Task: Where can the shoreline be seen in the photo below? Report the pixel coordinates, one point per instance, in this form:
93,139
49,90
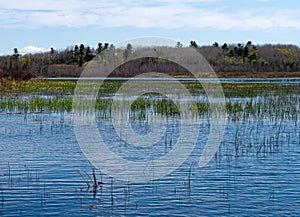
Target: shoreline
205,75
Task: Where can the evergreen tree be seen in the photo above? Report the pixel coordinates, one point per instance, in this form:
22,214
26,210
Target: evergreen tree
193,44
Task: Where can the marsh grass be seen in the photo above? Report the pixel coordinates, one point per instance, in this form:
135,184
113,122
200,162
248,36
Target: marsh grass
35,104
8,85
19,179
44,196
2,198
274,105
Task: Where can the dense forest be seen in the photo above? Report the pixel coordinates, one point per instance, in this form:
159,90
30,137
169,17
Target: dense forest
225,58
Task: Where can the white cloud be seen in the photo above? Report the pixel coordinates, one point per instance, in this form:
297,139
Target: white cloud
134,13
32,49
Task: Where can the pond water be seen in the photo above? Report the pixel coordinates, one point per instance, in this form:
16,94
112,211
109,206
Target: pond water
256,171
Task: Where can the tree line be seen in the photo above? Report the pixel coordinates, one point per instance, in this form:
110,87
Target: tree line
241,57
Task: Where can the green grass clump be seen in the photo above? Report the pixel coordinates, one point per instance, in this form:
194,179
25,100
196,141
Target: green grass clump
35,105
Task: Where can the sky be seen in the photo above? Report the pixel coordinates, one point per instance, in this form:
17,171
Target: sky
36,26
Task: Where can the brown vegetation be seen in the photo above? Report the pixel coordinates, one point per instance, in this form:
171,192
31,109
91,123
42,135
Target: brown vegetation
17,75
228,60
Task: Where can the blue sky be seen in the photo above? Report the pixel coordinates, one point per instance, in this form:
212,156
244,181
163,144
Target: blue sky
33,25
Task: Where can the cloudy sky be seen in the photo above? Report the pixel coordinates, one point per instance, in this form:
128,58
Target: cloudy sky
33,25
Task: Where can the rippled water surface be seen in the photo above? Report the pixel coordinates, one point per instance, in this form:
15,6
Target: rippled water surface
256,171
